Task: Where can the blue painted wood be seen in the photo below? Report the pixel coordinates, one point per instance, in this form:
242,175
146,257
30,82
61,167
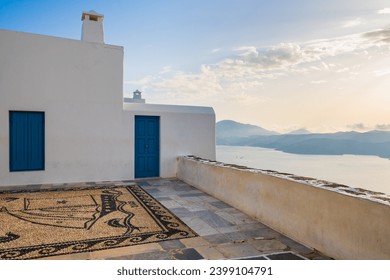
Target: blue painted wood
27,140
147,146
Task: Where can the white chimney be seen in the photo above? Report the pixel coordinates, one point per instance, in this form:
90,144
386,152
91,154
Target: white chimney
92,27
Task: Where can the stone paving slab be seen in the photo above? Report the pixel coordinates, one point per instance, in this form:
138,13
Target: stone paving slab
210,253
237,250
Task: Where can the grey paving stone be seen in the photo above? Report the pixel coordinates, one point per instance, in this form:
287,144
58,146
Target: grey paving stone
170,204
251,233
268,245
230,218
215,239
186,254
265,233
253,258
220,204
171,244
236,236
181,212
247,219
177,182
194,242
238,250
193,194
322,258
161,182
209,199
38,186
284,256
199,226
212,219
103,183
191,199
154,255
209,253
126,181
164,198
152,190
143,183
182,188
252,226
194,206
293,245
228,229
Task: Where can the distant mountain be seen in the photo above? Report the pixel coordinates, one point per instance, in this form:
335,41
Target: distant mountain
300,131
375,143
229,128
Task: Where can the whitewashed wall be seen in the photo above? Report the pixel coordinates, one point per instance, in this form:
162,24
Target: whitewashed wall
88,134
79,87
184,130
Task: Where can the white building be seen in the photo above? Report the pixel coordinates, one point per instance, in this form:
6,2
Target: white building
63,119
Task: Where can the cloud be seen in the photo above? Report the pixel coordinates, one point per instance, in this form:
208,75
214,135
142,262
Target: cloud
280,56
216,50
144,81
318,82
342,70
352,23
287,55
358,126
381,36
166,69
382,72
245,70
382,126
384,11
196,85
363,127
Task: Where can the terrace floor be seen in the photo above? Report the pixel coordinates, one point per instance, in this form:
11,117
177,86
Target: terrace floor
224,232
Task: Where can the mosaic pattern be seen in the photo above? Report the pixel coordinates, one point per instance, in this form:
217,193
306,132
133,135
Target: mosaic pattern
41,223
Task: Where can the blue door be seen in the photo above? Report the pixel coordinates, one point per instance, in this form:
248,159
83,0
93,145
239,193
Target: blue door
27,140
147,146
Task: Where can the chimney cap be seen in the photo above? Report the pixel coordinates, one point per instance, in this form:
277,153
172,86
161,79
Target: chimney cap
92,13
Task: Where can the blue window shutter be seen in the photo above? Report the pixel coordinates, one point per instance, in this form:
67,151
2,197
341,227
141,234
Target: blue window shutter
27,140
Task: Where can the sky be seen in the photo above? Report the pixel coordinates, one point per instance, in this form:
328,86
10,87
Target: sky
281,64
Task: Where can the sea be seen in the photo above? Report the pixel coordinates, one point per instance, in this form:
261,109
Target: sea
366,172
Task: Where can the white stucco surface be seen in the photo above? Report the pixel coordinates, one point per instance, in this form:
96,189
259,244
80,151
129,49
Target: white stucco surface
89,132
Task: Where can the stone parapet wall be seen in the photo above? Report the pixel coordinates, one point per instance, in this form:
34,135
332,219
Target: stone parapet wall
339,221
